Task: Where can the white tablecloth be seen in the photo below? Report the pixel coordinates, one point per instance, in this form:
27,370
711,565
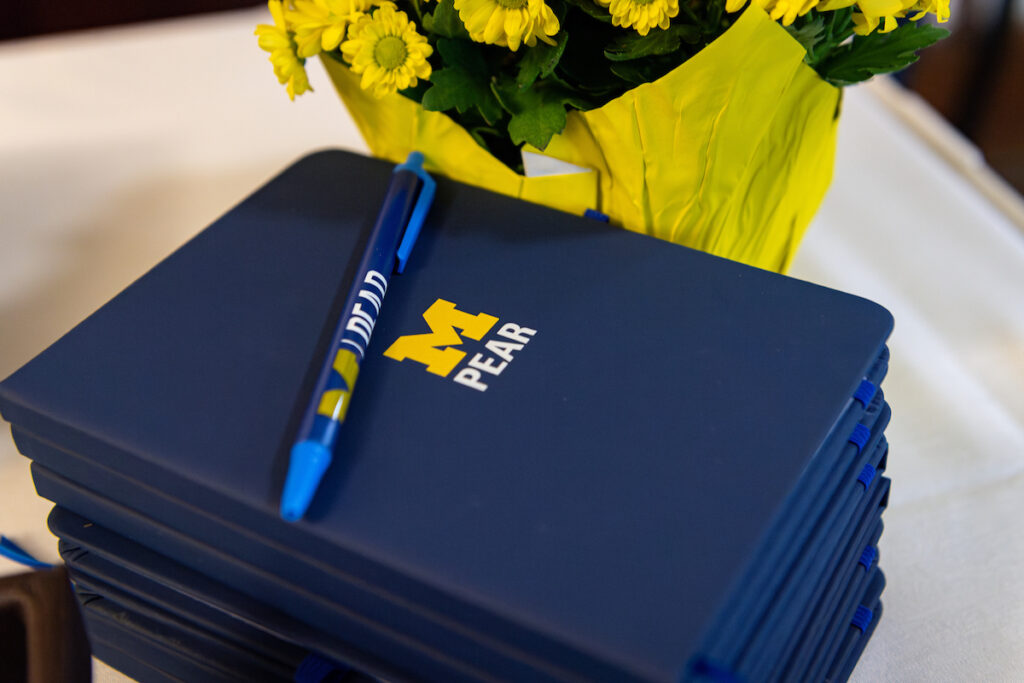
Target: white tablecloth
116,146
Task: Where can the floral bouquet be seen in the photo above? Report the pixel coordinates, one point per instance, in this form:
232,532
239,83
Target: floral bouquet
690,120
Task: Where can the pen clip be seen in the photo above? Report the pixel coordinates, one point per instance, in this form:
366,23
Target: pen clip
419,212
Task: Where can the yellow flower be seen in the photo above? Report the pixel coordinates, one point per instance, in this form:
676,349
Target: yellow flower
508,23
785,10
278,42
642,15
321,24
387,51
886,12
940,8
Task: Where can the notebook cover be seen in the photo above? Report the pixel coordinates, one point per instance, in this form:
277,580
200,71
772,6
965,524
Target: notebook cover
441,632
83,476
248,548
183,547
653,372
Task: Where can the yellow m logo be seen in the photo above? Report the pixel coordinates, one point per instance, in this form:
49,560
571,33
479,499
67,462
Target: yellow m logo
442,318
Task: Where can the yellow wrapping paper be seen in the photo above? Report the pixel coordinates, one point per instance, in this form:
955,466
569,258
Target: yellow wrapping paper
730,153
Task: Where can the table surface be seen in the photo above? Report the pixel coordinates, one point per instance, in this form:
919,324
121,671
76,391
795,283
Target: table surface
116,146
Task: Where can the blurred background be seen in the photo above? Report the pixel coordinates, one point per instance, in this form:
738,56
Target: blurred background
974,78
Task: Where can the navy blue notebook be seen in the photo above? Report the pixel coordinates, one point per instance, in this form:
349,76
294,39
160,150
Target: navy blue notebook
141,499
639,404
232,570
241,550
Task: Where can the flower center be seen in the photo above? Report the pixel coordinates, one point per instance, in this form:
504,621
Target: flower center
390,52
512,4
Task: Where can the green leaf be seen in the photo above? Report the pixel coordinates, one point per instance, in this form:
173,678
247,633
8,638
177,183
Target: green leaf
536,125
643,70
879,53
453,88
540,61
489,108
444,21
463,83
809,34
538,113
464,53
657,42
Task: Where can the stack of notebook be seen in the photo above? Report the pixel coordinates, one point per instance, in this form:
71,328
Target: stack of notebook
574,453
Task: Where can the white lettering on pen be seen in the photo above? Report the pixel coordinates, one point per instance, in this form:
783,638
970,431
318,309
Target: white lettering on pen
362,320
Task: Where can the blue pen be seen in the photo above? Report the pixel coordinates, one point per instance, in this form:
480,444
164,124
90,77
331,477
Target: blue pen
398,225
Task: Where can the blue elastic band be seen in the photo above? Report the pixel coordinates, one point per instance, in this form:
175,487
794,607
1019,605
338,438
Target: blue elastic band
13,551
860,436
866,475
862,618
314,669
865,392
596,215
867,558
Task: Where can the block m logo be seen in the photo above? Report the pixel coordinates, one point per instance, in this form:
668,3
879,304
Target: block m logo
433,348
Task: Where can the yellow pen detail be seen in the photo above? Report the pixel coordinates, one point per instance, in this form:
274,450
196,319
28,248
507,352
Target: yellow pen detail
334,403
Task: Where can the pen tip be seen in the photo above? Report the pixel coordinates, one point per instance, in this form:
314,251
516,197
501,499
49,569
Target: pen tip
309,461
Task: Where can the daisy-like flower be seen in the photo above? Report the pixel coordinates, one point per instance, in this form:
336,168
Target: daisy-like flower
386,49
785,11
321,24
508,23
940,8
642,15
276,40
885,12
